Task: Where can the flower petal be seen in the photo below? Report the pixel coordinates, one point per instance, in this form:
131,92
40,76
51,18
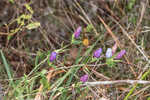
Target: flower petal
97,53
114,48
84,78
77,32
109,53
53,56
120,54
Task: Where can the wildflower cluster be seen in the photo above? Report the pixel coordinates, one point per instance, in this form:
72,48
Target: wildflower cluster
109,55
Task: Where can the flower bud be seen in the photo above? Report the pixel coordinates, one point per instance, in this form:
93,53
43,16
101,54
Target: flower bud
114,48
77,32
120,54
84,78
109,53
97,53
53,56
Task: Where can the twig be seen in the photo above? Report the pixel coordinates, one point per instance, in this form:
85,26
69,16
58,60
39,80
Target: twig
90,22
9,34
116,82
141,17
100,75
142,90
109,31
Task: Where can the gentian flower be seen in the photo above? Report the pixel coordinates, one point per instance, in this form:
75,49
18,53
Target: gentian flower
120,54
109,53
77,32
97,53
84,78
53,56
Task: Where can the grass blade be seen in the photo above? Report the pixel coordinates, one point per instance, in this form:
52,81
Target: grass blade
7,67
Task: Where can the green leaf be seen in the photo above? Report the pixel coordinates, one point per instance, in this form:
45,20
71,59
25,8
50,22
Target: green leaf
94,59
11,1
61,89
44,71
33,25
7,67
148,98
76,42
72,38
131,4
89,28
29,8
110,62
44,82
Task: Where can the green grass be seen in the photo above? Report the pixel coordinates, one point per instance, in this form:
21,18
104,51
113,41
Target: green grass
7,68
34,31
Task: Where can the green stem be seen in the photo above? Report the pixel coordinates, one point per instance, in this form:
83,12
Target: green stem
134,87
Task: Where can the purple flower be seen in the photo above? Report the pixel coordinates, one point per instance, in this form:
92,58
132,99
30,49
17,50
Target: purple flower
84,78
120,54
77,32
53,56
109,53
114,48
97,53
